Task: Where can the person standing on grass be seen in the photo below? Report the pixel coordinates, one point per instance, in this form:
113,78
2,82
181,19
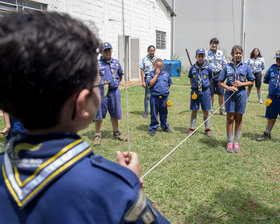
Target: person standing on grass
159,82
200,75
237,75
12,126
146,66
49,174
256,63
216,60
272,77
110,71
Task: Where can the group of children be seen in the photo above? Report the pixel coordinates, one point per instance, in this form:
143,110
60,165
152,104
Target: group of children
234,77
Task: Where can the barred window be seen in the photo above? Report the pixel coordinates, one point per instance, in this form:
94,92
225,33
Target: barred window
160,39
7,6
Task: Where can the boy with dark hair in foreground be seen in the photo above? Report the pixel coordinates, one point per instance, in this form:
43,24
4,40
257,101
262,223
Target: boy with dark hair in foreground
50,83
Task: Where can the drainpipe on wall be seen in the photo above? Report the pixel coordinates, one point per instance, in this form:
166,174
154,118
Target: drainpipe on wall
243,30
173,31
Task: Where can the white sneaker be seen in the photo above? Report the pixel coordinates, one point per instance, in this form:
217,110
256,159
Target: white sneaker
260,101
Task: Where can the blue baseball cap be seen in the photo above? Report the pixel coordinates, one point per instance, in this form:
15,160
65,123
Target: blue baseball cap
277,55
106,45
200,51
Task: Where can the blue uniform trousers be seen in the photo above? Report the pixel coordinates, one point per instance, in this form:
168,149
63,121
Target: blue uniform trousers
147,95
273,109
158,106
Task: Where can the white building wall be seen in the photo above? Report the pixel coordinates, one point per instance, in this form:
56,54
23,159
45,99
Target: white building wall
142,19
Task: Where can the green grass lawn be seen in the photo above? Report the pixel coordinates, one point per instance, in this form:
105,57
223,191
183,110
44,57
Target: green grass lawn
200,182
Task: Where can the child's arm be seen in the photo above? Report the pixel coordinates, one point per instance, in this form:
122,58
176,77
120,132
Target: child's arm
191,81
154,79
6,130
230,88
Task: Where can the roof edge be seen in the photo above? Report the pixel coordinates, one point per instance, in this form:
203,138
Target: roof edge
169,8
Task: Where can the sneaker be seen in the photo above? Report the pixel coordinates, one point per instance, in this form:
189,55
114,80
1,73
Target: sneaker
97,139
152,132
191,130
264,137
229,148
222,112
260,101
145,115
118,135
236,147
208,132
167,130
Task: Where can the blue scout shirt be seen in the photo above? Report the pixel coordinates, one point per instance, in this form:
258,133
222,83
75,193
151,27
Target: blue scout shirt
244,74
256,64
272,77
215,60
57,179
161,86
110,70
147,64
205,73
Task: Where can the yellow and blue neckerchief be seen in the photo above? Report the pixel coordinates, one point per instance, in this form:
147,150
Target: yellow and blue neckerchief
31,165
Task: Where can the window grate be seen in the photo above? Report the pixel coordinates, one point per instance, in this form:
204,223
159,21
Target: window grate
160,39
8,6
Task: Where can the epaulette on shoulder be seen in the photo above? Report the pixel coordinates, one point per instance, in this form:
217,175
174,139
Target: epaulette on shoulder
116,169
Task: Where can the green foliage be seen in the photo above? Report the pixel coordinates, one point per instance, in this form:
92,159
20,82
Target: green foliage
200,182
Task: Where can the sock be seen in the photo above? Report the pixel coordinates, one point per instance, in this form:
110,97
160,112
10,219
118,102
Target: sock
268,130
248,93
237,136
193,118
229,138
206,123
259,95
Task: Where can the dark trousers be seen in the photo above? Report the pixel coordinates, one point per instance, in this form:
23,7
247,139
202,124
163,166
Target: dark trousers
158,105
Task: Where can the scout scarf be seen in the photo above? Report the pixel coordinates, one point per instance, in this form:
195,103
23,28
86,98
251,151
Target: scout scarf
29,168
199,75
110,62
152,60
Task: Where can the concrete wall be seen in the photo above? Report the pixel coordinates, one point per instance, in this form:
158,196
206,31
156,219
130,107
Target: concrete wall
198,21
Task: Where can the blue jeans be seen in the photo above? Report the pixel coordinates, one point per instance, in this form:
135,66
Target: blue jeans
147,96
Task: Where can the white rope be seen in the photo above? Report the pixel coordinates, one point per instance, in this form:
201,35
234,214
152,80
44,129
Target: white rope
125,81
184,139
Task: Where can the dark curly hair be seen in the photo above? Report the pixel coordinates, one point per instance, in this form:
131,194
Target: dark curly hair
45,57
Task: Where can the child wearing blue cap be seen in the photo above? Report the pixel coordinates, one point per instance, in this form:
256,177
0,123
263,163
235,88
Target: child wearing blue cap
237,75
272,77
200,75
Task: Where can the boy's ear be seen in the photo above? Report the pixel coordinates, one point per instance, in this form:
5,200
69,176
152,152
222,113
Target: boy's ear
81,104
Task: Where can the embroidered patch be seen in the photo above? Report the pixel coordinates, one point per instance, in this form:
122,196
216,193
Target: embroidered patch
138,207
205,76
194,76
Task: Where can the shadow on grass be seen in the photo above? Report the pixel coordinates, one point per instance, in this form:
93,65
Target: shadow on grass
254,136
213,142
183,130
233,206
137,112
89,134
143,127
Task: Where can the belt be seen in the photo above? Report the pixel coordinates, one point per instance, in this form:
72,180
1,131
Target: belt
216,73
160,96
276,96
203,89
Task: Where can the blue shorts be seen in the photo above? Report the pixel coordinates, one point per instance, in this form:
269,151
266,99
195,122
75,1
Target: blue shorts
237,103
112,103
203,98
215,87
273,110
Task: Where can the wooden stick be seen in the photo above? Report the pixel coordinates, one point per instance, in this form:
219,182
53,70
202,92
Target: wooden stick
188,56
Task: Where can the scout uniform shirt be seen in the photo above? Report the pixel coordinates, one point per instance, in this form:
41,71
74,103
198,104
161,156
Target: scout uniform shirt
110,70
55,178
256,64
200,75
215,60
147,64
161,86
272,77
243,71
